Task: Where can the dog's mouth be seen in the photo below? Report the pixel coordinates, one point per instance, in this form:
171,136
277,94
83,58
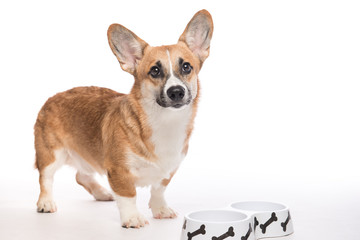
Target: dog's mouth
165,104
178,105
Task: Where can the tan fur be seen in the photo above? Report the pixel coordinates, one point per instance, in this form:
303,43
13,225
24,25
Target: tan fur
166,182
102,126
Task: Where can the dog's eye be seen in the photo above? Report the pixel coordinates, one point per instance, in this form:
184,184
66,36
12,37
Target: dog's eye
186,68
155,72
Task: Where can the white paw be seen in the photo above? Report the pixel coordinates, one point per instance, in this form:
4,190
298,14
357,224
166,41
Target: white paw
46,206
163,212
135,220
103,195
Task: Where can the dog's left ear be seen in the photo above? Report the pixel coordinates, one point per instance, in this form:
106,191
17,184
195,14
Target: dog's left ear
198,33
127,47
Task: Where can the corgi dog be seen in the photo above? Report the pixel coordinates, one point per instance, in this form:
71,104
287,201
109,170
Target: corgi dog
136,139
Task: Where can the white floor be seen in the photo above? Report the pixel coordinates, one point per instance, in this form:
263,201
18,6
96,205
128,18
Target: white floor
323,209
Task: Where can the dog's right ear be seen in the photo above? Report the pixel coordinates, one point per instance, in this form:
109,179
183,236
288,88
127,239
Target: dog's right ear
127,47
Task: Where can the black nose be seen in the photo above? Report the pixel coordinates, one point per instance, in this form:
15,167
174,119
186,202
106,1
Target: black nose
176,93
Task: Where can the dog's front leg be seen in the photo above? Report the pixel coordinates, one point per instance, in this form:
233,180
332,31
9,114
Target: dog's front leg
158,204
129,214
125,195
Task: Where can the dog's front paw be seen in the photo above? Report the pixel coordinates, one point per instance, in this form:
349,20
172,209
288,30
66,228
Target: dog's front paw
135,220
163,212
45,205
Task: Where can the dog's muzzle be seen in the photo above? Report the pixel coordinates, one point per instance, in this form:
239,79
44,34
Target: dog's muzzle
175,96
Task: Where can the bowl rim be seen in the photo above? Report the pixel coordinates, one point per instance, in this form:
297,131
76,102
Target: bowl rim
247,217
283,206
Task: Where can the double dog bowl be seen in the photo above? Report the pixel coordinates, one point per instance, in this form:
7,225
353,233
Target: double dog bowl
241,221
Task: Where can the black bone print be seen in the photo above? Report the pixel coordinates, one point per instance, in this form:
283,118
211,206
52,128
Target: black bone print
256,223
201,230
268,222
247,234
284,224
184,226
229,233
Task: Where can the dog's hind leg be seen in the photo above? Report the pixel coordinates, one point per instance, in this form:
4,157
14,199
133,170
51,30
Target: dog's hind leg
54,160
93,187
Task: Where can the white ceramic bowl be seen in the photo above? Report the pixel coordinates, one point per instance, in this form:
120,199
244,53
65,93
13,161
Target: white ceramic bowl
217,225
243,221
268,219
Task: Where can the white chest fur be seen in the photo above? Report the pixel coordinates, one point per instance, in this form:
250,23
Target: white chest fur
169,131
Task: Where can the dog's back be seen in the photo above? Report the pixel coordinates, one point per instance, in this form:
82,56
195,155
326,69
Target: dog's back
73,119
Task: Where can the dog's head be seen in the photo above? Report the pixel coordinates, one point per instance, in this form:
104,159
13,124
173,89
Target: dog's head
166,76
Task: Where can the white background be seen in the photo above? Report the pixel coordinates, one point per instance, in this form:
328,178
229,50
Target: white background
279,117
